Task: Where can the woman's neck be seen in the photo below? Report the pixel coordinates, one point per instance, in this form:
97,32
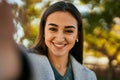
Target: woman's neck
60,63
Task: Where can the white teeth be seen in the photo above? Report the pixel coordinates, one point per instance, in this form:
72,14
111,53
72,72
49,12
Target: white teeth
59,45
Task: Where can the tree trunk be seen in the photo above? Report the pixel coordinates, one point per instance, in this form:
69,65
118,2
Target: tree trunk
110,71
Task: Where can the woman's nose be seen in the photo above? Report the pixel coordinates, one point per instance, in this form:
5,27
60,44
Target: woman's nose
60,36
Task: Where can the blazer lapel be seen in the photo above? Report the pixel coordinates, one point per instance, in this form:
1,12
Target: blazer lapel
78,72
41,67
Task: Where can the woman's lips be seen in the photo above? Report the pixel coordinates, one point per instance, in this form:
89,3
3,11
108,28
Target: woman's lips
59,45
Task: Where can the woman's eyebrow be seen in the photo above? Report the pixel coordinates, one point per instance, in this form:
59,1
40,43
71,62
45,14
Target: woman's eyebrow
53,24
70,27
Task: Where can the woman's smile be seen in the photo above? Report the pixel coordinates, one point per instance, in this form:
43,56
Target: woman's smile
59,45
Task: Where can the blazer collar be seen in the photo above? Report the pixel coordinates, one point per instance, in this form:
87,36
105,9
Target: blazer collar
78,69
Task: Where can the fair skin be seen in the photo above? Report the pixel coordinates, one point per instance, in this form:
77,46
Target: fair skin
60,36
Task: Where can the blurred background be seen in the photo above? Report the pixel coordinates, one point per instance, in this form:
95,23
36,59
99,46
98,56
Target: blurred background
101,21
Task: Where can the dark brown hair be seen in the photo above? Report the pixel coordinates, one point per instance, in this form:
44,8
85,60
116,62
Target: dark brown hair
77,50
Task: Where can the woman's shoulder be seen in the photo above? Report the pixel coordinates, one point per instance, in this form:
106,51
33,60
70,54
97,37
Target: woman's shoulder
37,57
39,66
79,69
33,57
31,54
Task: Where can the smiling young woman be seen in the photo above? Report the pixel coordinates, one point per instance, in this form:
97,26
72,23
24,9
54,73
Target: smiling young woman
60,40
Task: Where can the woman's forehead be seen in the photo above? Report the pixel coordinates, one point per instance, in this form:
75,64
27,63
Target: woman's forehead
61,17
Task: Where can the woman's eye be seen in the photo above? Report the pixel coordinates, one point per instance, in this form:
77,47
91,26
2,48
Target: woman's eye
53,29
69,31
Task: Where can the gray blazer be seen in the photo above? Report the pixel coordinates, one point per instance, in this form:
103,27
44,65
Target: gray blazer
42,69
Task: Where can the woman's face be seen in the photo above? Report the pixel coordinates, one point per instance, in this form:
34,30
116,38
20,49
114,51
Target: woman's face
61,32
